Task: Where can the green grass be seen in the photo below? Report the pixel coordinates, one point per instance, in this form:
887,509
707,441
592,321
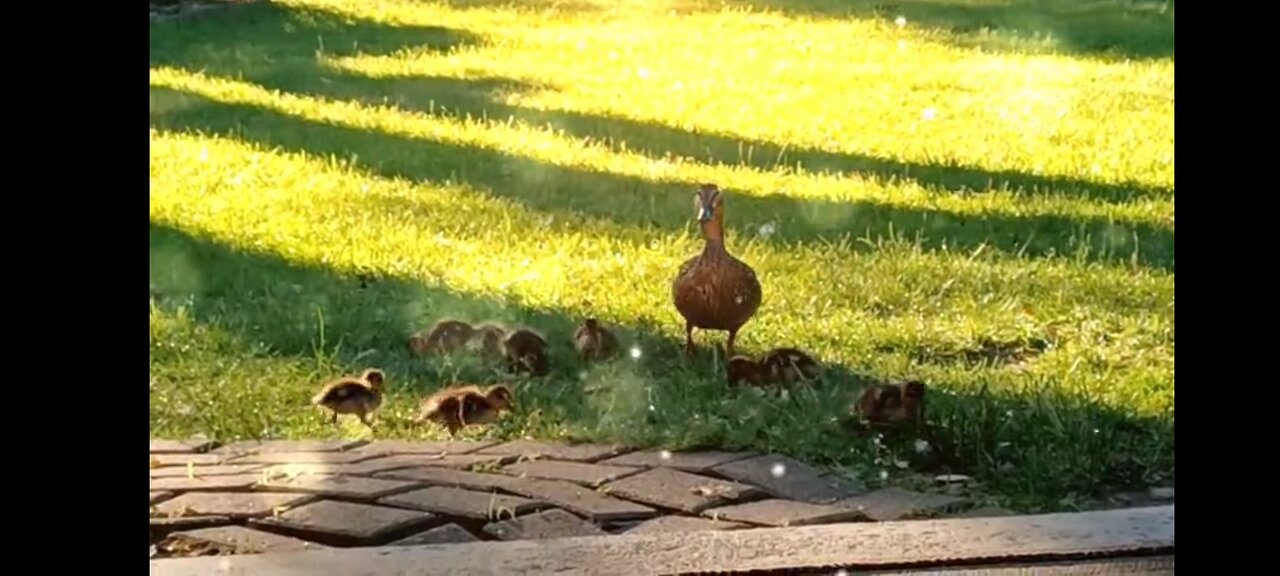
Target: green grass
981,198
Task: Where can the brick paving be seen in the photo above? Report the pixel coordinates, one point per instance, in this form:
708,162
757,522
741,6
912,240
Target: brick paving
251,497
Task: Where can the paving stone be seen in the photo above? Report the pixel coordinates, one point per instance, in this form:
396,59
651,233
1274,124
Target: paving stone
247,540
686,461
256,447
158,495
447,534
1163,493
207,483
543,525
598,507
986,512
556,450
591,475
344,523
305,458
454,478
201,471
666,524
231,504
777,512
162,446
669,488
784,477
337,486
205,459
464,503
897,504
409,447
384,463
162,526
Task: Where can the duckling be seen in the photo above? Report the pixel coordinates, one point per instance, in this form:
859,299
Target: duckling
460,406
526,351
360,396
488,338
889,404
789,365
714,290
743,370
446,336
594,342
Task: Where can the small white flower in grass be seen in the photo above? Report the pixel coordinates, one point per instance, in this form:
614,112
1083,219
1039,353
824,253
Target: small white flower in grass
929,113
779,470
652,408
900,21
921,446
767,229
1008,414
665,455
635,352
582,375
643,72
884,474
1095,430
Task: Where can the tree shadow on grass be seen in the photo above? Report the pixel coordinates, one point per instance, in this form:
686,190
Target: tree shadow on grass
278,49
1123,28
1058,443
663,206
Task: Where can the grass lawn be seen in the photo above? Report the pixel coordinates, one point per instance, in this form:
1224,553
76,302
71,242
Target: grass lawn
978,195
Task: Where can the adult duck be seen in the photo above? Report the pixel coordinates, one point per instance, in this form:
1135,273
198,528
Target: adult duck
714,290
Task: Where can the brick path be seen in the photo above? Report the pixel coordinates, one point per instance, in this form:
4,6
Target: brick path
283,496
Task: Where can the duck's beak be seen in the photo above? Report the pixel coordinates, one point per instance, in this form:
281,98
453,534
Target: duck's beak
704,215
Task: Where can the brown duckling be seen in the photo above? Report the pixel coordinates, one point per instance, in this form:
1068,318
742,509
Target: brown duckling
891,404
446,336
594,342
526,351
488,338
714,290
743,370
360,396
787,365
460,406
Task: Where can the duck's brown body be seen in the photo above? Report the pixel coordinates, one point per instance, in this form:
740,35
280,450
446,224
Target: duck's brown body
526,351
360,396
714,290
594,342
461,406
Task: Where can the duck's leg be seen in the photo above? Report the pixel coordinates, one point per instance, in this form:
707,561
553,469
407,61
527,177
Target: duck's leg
728,347
688,339
364,419
334,420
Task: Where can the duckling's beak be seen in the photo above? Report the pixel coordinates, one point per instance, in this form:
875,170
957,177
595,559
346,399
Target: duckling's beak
704,214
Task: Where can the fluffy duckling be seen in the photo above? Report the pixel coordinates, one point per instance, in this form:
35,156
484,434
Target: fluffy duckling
890,404
446,336
743,370
460,406
789,365
360,396
594,342
776,367
488,338
526,351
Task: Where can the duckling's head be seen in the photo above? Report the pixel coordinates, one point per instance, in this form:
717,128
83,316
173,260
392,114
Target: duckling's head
591,324
500,397
373,377
913,391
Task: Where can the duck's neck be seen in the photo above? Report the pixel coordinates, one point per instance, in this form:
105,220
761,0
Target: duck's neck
713,233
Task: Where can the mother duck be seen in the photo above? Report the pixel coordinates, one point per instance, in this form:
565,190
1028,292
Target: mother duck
714,290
